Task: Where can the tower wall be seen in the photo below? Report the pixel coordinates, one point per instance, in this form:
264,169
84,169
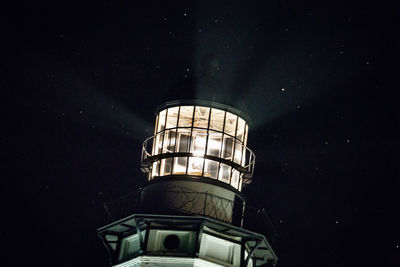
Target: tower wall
191,197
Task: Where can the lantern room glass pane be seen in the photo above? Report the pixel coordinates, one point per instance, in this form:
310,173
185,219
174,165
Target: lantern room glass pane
172,117
235,179
224,173
238,152
211,169
198,144
201,116
180,164
158,143
227,148
161,121
246,134
155,125
214,143
155,168
240,129
185,116
195,166
182,140
230,123
169,141
245,156
217,119
166,165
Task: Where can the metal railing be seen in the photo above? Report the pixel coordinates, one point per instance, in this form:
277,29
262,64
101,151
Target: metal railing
245,167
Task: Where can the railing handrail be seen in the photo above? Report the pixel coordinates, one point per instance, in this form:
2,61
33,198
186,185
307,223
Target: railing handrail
147,156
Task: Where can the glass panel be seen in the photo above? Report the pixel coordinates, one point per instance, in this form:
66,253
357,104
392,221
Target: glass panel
201,117
230,123
166,165
217,119
158,144
185,116
227,149
198,145
240,129
195,165
245,156
224,173
161,121
172,117
211,168
169,141
180,165
155,126
182,140
238,152
245,135
235,179
214,143
154,169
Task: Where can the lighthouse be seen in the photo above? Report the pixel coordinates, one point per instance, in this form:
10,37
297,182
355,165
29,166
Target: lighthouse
191,210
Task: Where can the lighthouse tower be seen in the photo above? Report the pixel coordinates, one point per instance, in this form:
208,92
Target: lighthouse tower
191,210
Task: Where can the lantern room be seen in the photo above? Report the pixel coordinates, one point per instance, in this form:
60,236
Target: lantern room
199,139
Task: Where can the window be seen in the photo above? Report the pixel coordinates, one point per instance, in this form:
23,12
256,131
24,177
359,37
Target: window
240,129
224,173
235,179
217,119
161,121
214,143
166,165
172,117
230,123
169,141
238,152
195,166
180,165
182,140
201,115
185,116
227,149
198,144
211,169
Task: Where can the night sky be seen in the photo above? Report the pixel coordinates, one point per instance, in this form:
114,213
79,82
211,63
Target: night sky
82,79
